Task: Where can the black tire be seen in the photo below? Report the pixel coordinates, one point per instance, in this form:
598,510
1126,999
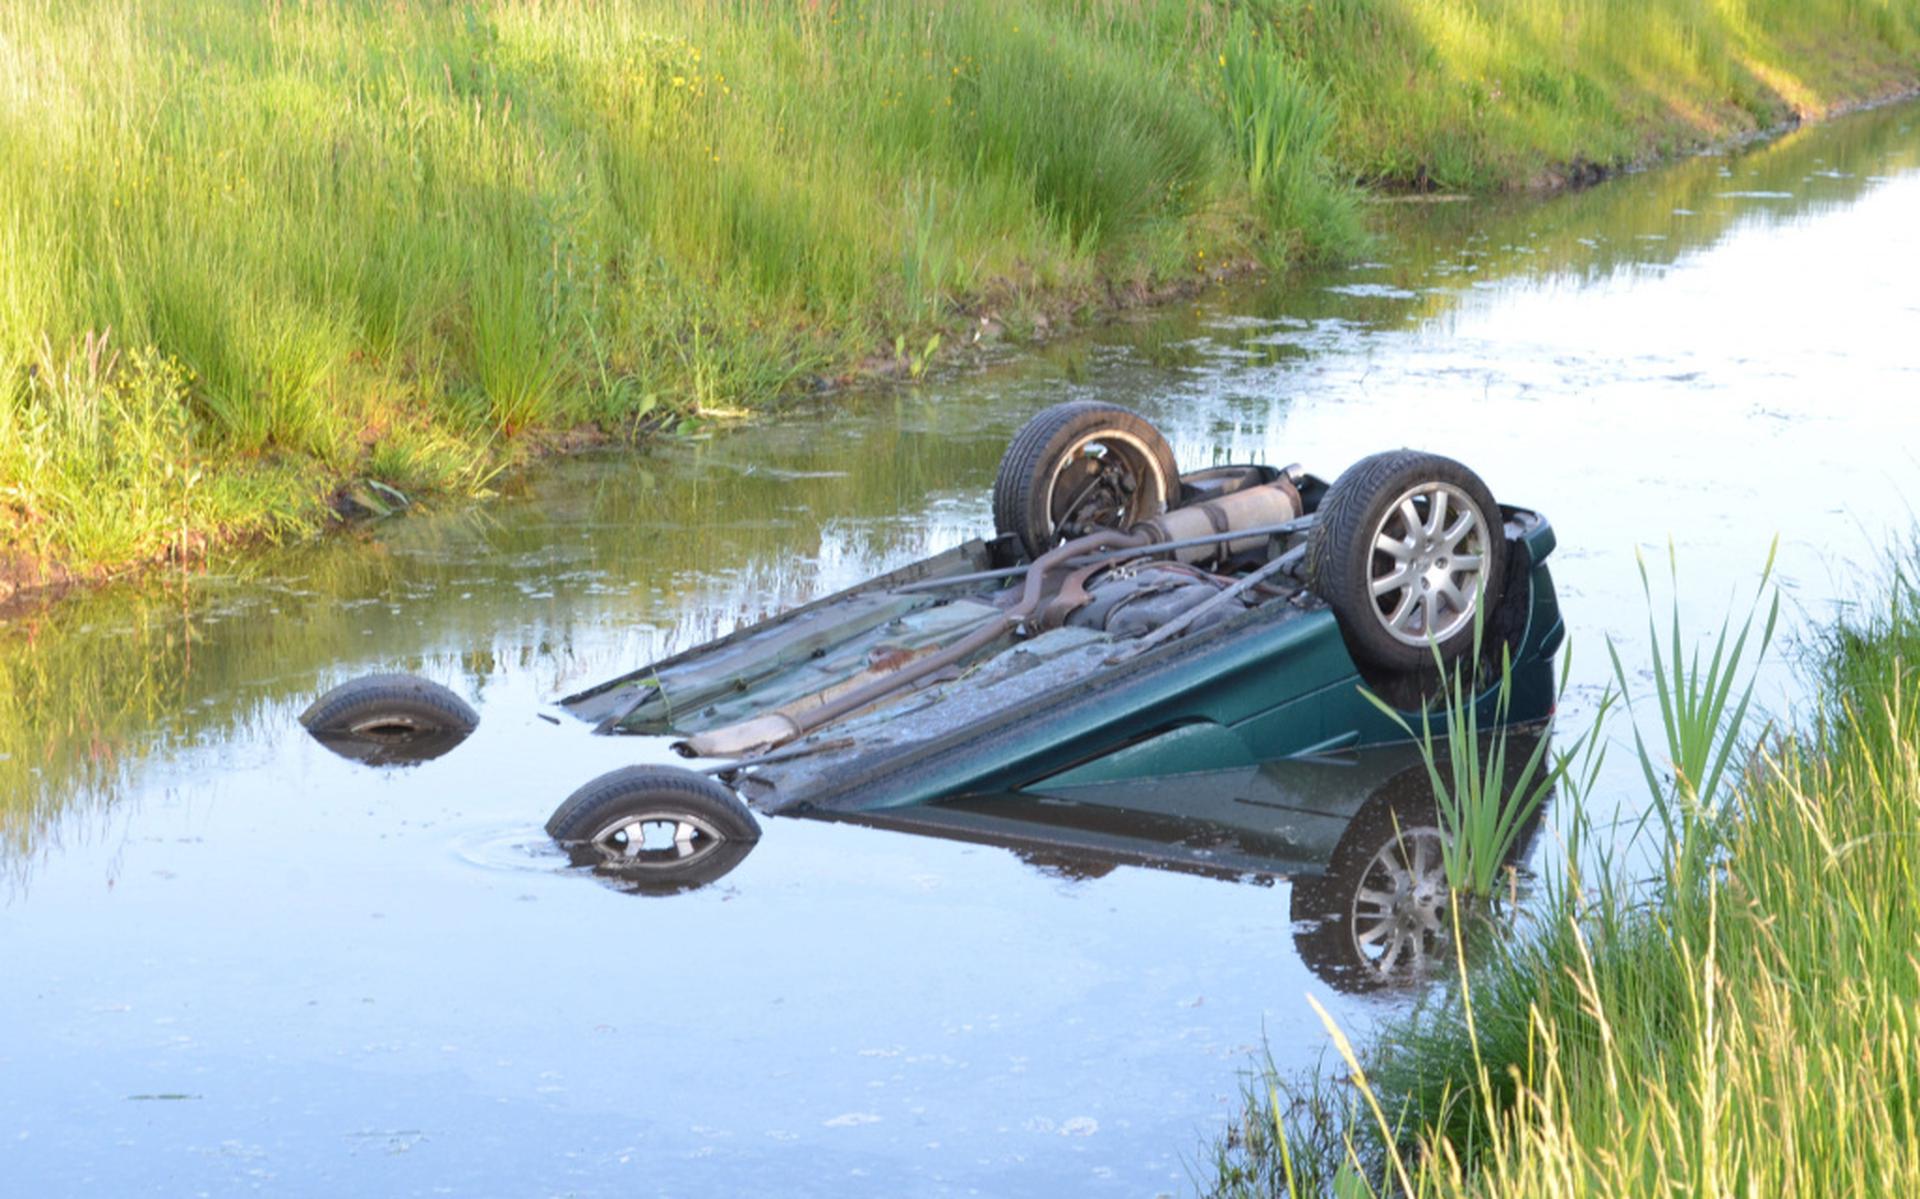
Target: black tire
708,829
1132,478
386,719
1369,502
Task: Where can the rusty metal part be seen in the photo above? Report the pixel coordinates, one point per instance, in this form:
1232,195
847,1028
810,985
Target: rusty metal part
1175,627
779,755
1073,596
772,729
1285,529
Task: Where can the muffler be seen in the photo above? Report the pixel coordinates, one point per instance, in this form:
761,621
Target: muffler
1255,507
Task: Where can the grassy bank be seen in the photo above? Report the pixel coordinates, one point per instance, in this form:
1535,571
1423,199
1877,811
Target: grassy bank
250,255
1747,1027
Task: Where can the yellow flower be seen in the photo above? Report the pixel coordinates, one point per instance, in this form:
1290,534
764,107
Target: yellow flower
679,81
1223,60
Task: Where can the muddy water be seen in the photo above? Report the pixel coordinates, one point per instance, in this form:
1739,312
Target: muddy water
231,962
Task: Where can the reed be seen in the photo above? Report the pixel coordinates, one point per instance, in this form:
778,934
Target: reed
1743,1027
1703,711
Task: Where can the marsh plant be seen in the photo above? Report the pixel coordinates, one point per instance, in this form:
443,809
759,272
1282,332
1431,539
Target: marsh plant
1740,1023
1487,783
1702,707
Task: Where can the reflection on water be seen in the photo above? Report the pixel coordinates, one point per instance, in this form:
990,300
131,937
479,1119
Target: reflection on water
333,960
1358,836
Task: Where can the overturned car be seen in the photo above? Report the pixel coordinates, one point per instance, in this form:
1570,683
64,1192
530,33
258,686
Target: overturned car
1125,622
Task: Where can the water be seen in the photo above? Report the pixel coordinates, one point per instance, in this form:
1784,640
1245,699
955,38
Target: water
230,961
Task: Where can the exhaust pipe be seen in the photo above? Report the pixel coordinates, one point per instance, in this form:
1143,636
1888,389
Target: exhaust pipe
1253,508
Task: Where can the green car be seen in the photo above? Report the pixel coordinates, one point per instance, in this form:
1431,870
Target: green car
1126,622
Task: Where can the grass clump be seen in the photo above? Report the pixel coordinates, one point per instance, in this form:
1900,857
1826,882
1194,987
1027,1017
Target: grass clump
1282,124
98,460
1485,796
1745,1026
1702,722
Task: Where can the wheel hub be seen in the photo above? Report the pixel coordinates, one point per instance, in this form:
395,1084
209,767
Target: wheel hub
1429,563
656,839
1098,484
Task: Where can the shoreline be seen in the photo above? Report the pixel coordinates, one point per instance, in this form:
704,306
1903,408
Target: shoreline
1801,854
341,442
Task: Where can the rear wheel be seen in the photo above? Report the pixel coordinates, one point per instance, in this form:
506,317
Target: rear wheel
655,829
1078,467
1408,550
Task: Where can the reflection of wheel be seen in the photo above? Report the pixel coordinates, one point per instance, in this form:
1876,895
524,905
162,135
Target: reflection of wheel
1081,466
656,829
1379,917
1405,548
1397,918
390,718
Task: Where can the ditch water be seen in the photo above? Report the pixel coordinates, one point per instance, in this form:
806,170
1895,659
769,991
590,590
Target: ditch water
232,962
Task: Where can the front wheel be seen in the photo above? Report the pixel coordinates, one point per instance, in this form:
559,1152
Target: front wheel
1408,550
655,829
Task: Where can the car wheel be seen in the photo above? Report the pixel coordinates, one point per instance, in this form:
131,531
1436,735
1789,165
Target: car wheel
390,718
1081,466
655,829
1408,550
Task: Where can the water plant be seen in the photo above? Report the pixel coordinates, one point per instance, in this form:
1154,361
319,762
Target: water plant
1702,716
1484,794
1740,1023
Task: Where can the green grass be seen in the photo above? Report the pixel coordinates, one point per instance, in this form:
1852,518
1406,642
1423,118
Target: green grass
1746,1027
1488,94
408,240
1484,794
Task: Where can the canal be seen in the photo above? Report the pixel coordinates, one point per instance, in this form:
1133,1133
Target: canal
233,962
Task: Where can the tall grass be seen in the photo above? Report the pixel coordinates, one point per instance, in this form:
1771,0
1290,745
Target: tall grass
1703,719
359,228
399,236
1471,95
1282,124
1748,1028
1485,797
